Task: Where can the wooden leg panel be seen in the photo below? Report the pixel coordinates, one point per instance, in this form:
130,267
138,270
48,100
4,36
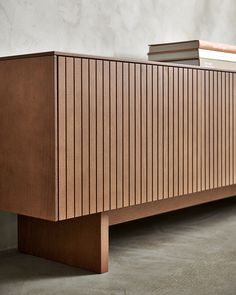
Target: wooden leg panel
81,242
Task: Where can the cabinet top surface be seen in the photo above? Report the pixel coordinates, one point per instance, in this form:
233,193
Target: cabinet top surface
116,59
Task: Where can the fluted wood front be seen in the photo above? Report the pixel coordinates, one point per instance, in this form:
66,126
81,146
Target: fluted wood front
130,133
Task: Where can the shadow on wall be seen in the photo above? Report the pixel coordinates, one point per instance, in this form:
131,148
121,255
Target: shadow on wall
8,230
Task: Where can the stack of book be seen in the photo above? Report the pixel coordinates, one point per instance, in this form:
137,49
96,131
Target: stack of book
195,52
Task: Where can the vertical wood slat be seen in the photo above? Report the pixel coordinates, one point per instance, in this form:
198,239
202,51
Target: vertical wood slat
185,131
207,128
132,133
202,131
219,143
211,131
181,132
132,164
190,131
160,133
70,180
155,132
113,135
166,133
107,135
119,142
227,129
62,137
149,135
231,145
176,131
92,137
143,134
85,136
215,131
126,133
171,133
78,136
234,123
223,110
194,123
100,136
138,133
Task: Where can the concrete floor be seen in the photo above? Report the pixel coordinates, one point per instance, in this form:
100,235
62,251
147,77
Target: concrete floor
188,252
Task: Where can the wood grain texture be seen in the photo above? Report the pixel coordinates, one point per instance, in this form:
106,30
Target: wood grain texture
201,157
80,242
125,126
170,204
78,136
163,132
114,133
100,138
28,177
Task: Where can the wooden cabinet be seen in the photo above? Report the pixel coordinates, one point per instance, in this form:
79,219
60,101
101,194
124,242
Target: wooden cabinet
85,136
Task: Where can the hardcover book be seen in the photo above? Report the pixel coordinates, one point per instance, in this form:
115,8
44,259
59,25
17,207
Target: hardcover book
195,52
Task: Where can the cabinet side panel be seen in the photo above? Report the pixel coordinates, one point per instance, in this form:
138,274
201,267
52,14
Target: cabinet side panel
27,133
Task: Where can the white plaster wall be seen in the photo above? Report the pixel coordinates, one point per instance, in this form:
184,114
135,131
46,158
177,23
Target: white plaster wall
121,28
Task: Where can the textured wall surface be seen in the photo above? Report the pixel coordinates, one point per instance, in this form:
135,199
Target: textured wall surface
120,28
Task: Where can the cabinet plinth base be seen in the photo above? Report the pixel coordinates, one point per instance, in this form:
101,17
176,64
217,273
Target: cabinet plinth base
80,242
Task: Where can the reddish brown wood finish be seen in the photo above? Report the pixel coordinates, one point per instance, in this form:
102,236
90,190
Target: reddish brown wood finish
159,126
84,135
101,134
167,205
83,242
28,168
80,242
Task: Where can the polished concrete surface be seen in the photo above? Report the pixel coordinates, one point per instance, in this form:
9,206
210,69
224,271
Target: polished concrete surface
188,252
